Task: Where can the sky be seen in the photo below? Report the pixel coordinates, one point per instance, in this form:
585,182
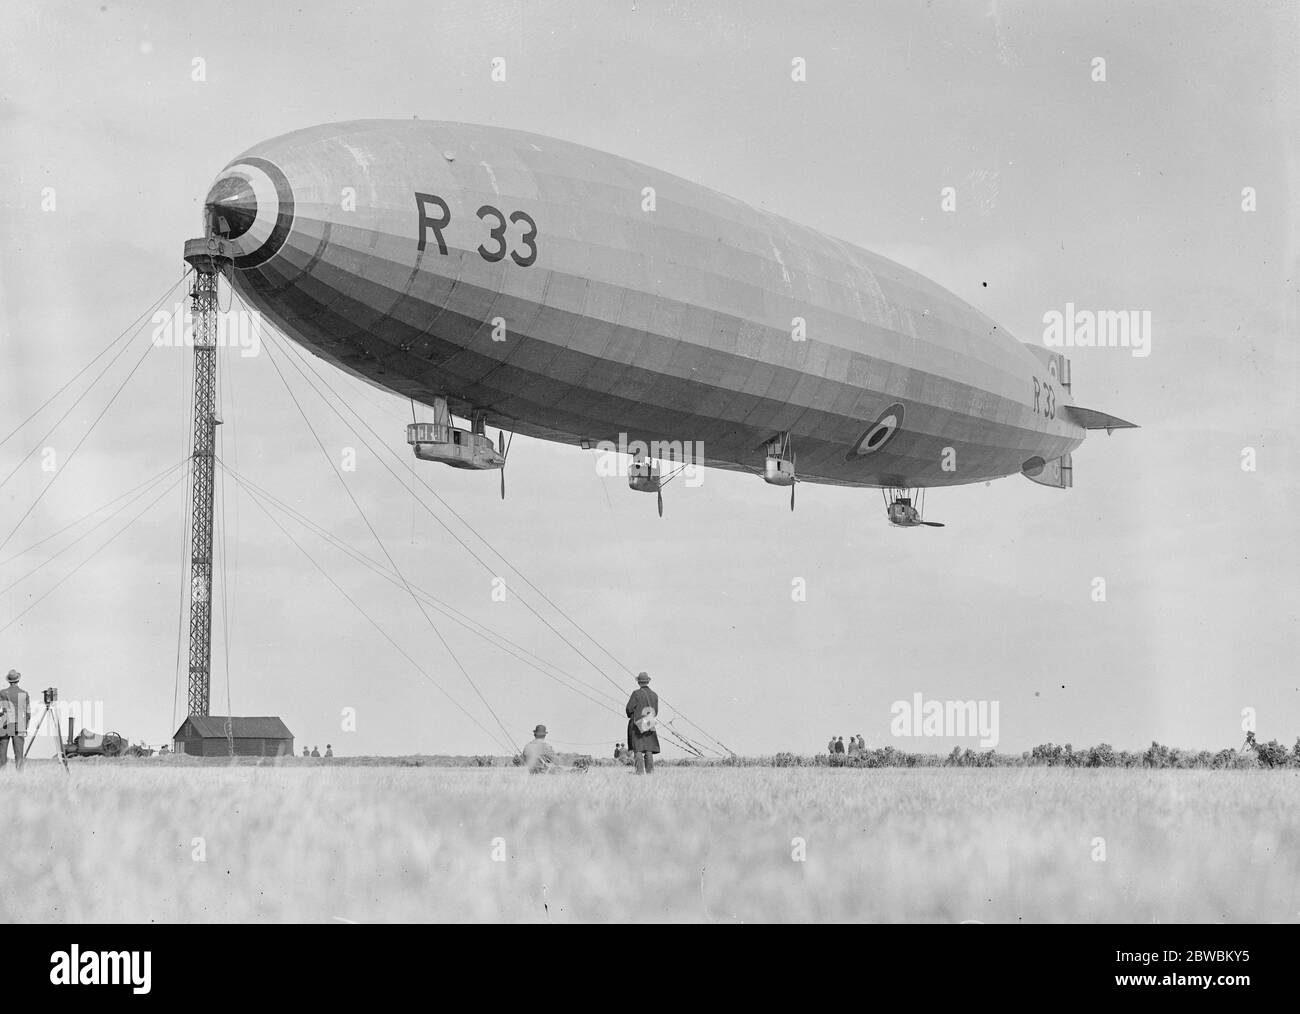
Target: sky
1122,193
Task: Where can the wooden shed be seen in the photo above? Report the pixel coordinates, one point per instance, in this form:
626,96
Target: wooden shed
205,736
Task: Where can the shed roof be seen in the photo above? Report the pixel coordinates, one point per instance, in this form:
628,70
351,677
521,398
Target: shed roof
214,727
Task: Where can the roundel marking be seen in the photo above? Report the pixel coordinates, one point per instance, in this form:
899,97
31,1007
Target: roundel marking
254,197
878,434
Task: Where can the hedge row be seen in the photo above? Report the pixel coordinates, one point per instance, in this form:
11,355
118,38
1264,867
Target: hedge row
1268,755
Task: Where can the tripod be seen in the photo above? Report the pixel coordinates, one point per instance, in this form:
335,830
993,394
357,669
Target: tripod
58,738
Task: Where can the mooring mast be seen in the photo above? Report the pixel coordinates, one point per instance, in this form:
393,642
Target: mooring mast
207,257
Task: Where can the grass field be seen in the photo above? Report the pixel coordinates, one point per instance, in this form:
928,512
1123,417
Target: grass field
117,842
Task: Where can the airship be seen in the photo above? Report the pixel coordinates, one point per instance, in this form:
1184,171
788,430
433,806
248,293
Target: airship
510,280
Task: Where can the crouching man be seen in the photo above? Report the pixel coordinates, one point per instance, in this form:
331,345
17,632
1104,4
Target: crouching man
539,756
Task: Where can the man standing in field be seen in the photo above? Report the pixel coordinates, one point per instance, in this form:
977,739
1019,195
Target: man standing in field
642,714
15,713
539,755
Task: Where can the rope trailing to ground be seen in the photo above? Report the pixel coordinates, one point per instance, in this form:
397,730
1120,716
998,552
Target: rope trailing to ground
600,670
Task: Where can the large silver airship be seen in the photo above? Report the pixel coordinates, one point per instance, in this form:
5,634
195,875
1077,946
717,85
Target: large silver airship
540,287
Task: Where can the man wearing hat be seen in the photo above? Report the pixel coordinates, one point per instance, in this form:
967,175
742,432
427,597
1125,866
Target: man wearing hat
15,714
642,739
539,755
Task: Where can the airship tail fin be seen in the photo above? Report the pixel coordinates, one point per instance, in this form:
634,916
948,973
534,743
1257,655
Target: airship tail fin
1090,419
1058,473
1058,372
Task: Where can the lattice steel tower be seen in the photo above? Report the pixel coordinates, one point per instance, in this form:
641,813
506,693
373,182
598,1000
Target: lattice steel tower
207,258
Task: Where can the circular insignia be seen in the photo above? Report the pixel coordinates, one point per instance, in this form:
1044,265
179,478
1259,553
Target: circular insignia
879,433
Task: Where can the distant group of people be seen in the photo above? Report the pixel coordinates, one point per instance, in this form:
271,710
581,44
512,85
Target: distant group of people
642,736
329,751
857,745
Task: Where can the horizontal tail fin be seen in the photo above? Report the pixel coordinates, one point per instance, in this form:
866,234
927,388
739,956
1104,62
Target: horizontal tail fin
1091,419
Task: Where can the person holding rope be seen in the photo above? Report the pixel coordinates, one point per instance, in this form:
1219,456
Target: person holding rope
642,721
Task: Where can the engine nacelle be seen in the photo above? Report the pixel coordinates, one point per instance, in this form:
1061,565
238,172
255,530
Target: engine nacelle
778,470
903,514
453,446
450,445
643,476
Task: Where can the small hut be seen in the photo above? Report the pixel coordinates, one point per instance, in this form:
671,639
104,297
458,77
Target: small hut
205,736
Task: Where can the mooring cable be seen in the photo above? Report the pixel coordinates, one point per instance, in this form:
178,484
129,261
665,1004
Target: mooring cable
460,541
78,567
301,356
142,491
374,623
89,514
84,437
130,329
456,616
384,549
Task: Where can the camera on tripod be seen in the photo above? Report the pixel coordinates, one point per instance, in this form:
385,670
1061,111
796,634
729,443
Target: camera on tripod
50,694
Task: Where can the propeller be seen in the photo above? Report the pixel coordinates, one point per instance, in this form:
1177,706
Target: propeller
793,462
660,494
501,445
933,524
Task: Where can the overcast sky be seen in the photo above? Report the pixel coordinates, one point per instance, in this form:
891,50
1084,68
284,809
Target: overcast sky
1122,194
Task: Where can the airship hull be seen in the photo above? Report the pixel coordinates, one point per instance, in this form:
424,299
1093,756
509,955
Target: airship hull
576,296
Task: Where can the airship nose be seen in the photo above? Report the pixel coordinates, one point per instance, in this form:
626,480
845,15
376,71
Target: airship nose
231,207
250,205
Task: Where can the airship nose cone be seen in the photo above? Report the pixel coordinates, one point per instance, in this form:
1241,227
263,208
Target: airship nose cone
232,207
251,205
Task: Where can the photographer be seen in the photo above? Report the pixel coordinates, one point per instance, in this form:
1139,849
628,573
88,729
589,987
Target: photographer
15,714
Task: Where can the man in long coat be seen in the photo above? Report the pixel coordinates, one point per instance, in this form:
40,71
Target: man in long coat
644,745
19,714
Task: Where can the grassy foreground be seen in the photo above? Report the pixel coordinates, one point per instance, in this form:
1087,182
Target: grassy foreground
118,843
